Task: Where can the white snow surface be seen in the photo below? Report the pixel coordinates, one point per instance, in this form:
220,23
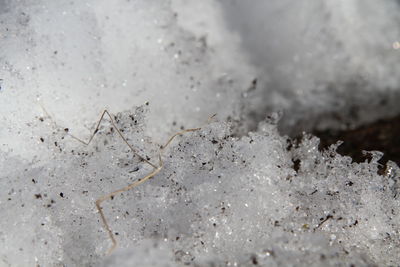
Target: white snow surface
237,192
327,64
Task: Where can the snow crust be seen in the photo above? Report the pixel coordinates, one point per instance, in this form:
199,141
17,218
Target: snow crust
226,196
219,200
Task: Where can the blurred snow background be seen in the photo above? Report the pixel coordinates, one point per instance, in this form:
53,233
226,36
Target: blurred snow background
327,64
227,196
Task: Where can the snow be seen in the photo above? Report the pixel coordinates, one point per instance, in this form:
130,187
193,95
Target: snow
330,64
238,191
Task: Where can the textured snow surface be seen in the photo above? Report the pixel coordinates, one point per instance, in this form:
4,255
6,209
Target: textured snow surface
219,200
226,196
115,55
